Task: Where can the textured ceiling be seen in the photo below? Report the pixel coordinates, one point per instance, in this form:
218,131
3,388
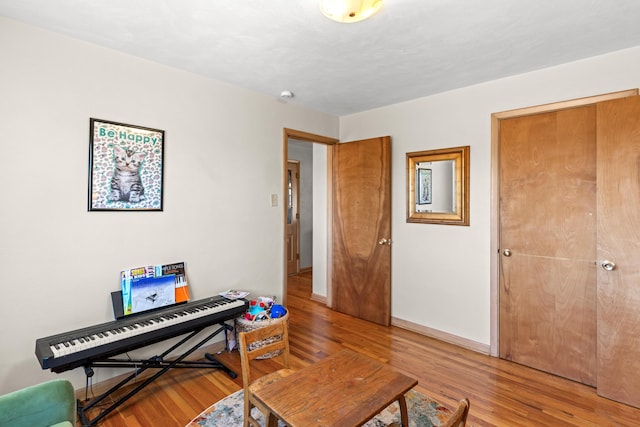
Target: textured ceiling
410,49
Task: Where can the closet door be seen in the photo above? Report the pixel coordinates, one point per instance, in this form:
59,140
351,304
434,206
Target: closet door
618,135
548,242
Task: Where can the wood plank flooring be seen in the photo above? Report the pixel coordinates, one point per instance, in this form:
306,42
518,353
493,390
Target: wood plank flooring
501,393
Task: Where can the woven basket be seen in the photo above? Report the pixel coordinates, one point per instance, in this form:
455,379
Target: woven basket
244,325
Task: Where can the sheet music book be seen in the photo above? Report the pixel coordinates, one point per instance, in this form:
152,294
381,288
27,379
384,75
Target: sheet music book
151,287
182,288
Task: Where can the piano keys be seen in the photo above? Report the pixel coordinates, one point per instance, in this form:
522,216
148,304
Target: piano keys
72,349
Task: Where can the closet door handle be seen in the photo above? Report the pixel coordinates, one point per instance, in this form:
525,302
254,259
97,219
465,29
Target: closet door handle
506,252
608,265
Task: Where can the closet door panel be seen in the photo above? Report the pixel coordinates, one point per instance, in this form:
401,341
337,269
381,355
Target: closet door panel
547,242
618,171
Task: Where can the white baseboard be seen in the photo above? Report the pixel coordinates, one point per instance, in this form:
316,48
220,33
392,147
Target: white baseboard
442,336
319,298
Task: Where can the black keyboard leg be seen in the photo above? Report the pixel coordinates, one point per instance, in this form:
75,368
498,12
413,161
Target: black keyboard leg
217,364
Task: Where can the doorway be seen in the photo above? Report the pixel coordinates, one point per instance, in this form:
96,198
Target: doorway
356,251
320,229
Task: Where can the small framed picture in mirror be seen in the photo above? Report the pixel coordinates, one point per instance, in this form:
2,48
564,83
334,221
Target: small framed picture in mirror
438,186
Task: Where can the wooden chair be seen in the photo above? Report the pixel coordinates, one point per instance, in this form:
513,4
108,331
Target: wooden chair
457,419
271,338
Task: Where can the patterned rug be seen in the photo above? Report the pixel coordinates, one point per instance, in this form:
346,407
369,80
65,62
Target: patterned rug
423,412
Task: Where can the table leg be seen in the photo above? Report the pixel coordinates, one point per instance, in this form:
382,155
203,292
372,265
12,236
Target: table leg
272,421
404,416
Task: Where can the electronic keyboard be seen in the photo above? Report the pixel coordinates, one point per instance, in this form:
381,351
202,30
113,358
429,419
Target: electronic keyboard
72,349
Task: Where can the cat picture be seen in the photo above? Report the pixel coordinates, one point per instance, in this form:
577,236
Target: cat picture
126,184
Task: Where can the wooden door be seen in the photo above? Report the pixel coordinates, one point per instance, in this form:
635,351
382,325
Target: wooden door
618,133
361,279
547,242
293,216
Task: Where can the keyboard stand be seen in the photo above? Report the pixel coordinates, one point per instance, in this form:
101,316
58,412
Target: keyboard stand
155,362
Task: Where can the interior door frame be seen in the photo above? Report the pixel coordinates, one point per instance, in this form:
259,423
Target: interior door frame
329,143
496,118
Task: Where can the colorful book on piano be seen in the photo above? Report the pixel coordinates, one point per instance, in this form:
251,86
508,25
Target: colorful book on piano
177,269
146,288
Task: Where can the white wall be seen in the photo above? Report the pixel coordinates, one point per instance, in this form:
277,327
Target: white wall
441,273
303,152
223,160
315,174
321,218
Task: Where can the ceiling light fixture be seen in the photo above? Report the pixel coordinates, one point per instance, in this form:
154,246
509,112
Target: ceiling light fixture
349,10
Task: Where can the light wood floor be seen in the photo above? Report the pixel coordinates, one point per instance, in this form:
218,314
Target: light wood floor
501,393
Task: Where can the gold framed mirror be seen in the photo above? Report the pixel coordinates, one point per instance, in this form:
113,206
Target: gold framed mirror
438,186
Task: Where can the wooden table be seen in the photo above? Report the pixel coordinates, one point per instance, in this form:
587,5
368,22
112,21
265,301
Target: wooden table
345,389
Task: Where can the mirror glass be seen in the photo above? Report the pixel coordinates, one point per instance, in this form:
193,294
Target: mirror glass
438,186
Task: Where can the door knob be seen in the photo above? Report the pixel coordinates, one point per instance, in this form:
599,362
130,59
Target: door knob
608,265
384,241
506,252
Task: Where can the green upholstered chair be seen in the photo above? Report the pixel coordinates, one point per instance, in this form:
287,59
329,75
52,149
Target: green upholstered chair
52,403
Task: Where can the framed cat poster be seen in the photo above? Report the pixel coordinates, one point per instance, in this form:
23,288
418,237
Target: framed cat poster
126,164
